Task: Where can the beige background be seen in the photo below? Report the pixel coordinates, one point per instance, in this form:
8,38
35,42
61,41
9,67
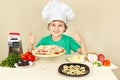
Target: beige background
98,21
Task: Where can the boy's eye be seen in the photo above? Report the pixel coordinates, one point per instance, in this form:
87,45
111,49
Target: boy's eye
52,24
60,25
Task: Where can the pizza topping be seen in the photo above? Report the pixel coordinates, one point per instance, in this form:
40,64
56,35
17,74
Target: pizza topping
76,58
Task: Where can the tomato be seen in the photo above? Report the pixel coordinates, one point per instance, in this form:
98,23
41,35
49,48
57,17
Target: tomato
24,57
56,52
106,63
28,53
31,58
44,50
28,56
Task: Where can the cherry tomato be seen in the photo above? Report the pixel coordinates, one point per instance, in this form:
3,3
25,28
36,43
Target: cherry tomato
31,58
56,52
28,53
24,57
44,50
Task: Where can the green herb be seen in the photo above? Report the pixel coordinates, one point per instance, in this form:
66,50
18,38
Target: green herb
10,60
98,64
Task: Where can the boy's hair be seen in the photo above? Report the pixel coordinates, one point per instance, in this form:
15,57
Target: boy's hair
60,21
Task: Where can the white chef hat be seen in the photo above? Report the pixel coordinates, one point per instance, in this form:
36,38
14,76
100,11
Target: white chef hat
56,10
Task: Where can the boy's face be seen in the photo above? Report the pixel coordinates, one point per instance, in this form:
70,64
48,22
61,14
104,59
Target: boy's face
56,28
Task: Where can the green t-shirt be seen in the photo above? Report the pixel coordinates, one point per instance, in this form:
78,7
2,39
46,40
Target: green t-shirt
67,42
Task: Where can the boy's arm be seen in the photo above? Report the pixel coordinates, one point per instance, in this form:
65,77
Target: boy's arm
83,49
79,39
32,41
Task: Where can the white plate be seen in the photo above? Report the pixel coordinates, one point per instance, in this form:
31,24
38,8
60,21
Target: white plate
30,64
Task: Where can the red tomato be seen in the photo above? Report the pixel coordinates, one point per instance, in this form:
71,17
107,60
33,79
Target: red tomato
56,52
44,50
24,57
28,53
31,58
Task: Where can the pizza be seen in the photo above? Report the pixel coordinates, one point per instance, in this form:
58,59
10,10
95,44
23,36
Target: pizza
48,51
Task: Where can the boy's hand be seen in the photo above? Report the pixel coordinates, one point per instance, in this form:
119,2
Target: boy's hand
76,36
32,39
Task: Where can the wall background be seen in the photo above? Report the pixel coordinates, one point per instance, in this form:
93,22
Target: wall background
98,21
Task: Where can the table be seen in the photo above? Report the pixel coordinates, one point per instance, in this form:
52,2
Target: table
35,72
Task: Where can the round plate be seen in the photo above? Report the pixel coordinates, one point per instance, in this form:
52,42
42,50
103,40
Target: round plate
74,71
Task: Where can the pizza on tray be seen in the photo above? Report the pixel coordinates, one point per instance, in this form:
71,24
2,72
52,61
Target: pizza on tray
48,51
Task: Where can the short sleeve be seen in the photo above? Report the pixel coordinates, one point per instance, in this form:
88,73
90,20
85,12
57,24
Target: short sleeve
39,43
74,45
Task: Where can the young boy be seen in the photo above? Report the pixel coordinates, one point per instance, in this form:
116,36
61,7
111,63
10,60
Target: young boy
57,14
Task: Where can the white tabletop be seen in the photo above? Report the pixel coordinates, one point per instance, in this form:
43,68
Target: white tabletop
39,72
